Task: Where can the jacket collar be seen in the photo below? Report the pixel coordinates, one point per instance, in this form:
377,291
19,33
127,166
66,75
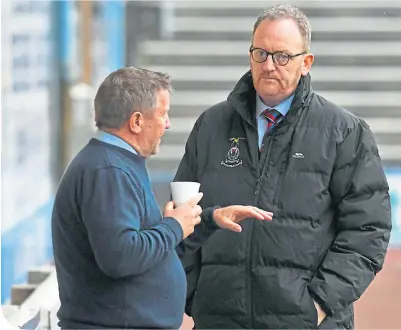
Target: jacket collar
243,97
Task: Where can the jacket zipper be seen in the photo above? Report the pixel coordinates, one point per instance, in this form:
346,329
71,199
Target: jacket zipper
249,256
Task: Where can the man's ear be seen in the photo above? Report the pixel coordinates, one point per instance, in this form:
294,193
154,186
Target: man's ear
307,63
136,122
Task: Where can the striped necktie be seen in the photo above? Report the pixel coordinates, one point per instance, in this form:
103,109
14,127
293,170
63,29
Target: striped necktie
272,118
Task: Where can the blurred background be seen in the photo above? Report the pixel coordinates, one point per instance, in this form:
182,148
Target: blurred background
54,54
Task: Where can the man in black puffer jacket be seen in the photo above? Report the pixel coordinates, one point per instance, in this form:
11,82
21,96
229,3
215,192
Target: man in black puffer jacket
276,144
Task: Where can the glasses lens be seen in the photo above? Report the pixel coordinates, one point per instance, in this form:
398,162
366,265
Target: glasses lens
259,55
281,58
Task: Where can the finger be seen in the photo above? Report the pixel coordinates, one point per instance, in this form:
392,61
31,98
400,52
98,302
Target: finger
190,230
251,212
195,200
230,225
266,215
168,207
197,211
197,221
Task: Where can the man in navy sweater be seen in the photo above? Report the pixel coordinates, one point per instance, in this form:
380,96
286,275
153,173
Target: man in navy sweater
115,252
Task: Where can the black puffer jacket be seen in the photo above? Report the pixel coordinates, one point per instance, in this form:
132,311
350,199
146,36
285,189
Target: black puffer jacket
321,175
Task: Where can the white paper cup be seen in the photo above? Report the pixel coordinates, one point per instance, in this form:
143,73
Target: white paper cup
182,192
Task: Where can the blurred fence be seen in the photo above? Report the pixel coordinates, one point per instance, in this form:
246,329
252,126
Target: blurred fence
53,54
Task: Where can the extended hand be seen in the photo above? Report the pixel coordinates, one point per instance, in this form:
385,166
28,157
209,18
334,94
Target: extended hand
228,217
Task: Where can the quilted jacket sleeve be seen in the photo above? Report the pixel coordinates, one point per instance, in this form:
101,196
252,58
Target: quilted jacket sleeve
360,191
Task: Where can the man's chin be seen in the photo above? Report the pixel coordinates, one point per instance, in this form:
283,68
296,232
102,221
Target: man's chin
270,88
155,150
269,92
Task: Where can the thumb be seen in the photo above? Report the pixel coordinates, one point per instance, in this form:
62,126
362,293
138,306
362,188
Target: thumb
195,200
168,208
230,225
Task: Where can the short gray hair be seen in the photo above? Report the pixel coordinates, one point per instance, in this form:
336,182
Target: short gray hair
126,91
288,11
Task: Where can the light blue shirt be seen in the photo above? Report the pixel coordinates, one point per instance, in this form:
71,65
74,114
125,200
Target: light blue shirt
114,140
283,108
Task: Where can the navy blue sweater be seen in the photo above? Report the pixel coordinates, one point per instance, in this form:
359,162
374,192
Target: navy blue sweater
115,255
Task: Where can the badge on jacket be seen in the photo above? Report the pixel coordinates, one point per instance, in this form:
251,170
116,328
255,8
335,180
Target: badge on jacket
233,159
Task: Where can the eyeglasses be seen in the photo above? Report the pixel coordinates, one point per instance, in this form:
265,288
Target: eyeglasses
259,55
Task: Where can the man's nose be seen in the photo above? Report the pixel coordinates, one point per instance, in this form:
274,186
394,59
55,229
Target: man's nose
168,123
269,65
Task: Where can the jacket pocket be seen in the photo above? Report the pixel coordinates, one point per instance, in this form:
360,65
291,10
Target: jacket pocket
311,317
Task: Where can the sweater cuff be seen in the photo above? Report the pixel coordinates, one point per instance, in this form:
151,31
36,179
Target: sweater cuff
175,227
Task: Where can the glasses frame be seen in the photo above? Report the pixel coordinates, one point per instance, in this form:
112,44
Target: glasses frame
290,56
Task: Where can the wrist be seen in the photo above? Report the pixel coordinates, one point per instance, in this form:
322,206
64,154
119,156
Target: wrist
320,312
214,216
320,302
208,215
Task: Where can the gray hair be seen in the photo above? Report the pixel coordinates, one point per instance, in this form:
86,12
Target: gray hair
126,91
288,11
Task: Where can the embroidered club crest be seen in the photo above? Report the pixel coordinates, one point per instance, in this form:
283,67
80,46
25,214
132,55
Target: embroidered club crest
233,159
